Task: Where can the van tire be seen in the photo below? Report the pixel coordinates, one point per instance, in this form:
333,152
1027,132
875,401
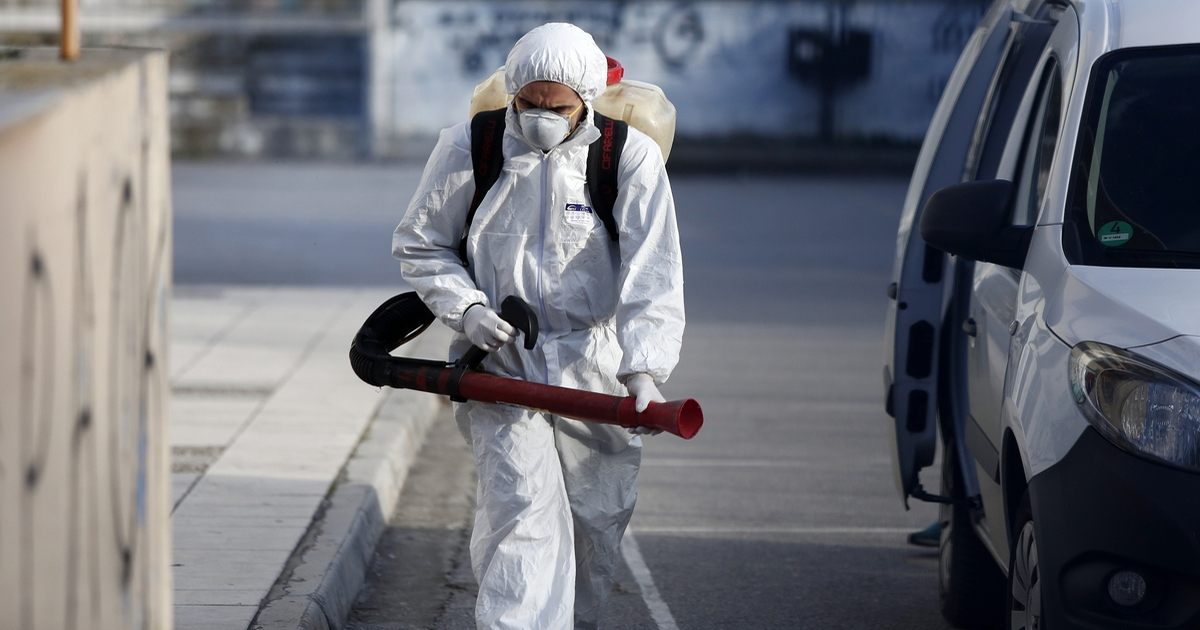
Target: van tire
971,585
1024,575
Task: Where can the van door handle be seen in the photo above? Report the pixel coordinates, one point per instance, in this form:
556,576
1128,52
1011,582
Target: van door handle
969,326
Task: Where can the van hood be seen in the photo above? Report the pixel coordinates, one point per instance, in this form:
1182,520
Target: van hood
1181,354
1125,307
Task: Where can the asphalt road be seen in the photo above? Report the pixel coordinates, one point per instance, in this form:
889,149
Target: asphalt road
288,223
781,513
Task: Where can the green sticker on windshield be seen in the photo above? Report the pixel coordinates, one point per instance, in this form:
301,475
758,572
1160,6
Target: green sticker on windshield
1115,233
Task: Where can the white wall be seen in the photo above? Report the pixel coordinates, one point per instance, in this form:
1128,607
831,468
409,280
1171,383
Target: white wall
723,64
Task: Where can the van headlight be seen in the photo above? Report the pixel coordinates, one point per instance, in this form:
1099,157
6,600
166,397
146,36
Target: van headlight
1141,406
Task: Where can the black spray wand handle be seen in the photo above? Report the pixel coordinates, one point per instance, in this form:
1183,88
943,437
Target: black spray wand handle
516,312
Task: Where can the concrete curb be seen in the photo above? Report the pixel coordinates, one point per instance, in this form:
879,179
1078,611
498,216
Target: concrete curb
321,580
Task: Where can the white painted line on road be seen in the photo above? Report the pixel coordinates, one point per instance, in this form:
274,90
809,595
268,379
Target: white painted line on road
690,529
687,462
641,573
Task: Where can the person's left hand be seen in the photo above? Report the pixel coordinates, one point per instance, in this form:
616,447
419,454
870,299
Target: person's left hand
641,386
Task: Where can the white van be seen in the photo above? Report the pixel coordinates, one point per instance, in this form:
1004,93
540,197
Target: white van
1045,319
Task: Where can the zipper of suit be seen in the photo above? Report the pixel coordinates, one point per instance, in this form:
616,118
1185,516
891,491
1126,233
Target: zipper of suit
542,254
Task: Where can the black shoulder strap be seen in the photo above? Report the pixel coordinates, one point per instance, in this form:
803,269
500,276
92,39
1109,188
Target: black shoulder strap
487,158
604,156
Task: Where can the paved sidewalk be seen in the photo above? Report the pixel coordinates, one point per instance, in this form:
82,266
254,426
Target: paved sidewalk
266,412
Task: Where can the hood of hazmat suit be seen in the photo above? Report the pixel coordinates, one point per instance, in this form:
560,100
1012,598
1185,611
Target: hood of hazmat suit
554,494
562,53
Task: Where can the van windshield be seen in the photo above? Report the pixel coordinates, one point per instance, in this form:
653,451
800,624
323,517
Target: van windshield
1135,192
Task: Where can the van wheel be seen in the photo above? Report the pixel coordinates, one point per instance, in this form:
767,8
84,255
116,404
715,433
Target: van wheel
970,583
1024,575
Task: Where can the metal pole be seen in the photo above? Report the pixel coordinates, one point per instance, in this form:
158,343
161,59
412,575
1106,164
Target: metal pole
69,37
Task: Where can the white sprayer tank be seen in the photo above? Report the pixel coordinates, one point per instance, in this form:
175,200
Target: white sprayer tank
642,105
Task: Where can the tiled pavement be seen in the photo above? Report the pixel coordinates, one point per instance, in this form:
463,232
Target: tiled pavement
265,414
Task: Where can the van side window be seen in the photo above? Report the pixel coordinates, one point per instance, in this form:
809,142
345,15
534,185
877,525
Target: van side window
1040,142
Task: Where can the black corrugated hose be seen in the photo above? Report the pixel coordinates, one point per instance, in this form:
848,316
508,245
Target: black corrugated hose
396,322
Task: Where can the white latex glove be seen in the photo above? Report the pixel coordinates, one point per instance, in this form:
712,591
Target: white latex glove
642,387
485,329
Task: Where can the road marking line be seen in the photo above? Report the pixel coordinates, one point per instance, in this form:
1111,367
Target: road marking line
663,529
685,462
641,573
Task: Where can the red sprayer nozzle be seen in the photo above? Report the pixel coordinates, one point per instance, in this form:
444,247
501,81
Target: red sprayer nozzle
679,417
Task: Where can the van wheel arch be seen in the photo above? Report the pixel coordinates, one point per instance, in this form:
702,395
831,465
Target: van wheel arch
1014,481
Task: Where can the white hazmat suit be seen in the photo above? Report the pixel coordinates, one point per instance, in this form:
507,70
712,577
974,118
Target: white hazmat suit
555,495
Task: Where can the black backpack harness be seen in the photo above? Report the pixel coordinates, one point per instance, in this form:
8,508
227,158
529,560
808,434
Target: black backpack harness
604,155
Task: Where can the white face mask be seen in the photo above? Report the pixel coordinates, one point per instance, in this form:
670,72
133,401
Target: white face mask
545,129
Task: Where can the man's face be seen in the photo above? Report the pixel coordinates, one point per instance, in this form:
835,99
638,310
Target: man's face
555,97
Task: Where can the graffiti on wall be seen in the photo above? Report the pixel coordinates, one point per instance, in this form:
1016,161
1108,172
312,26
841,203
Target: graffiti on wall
481,41
678,34
728,67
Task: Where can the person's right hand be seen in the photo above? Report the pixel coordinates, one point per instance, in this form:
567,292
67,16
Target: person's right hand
485,329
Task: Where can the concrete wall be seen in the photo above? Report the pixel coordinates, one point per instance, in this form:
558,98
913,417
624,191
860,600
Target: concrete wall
85,267
732,68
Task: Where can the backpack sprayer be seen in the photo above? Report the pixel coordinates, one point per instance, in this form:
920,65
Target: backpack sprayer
403,317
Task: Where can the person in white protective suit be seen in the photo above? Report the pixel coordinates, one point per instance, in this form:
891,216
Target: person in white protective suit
555,495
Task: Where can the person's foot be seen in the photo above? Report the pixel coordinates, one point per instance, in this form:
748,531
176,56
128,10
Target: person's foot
928,537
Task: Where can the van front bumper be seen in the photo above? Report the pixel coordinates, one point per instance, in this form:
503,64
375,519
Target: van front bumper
1102,510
